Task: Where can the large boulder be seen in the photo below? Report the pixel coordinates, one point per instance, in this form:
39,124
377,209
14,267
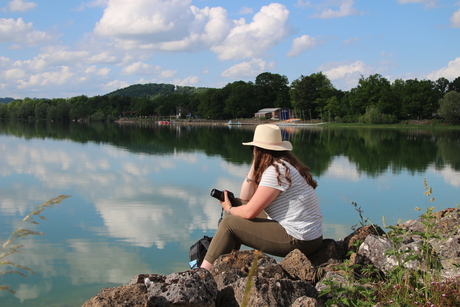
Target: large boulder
228,268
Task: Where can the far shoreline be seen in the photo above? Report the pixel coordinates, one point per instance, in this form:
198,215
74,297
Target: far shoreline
418,124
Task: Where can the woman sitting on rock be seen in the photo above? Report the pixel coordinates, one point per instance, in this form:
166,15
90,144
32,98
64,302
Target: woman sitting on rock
279,211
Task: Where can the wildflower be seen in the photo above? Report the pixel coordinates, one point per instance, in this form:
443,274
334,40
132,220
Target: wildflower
432,199
417,208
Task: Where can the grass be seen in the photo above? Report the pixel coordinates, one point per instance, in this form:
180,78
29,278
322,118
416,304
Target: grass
414,281
9,247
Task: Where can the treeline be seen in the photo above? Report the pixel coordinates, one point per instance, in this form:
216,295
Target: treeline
374,100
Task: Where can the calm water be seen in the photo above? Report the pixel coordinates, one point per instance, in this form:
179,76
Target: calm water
140,194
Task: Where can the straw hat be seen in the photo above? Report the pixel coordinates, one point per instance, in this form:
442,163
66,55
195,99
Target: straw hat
269,137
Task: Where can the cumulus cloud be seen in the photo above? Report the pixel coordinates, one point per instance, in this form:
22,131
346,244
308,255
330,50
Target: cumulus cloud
140,68
248,69
345,8
245,10
303,4
428,3
57,77
91,4
268,28
190,80
302,43
20,6
179,26
347,74
450,72
97,71
17,31
455,19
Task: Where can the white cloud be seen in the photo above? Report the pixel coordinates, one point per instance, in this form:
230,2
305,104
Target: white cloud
245,10
20,6
178,26
302,43
341,71
169,73
302,4
14,74
455,19
91,4
114,85
450,72
268,28
350,41
247,69
58,77
346,74
140,68
191,80
17,31
146,20
345,8
428,3
103,57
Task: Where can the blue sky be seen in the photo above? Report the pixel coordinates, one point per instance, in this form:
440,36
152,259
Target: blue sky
61,49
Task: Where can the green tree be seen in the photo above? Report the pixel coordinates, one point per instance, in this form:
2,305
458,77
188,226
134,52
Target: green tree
372,91
310,93
442,86
449,106
419,99
41,108
455,85
3,110
212,104
272,90
240,100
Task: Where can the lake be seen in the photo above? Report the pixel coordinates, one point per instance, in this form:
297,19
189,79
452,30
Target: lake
139,194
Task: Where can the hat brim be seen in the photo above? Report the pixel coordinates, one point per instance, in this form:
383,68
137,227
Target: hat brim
284,146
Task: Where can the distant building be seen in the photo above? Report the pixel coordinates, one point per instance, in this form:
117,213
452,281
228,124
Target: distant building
275,113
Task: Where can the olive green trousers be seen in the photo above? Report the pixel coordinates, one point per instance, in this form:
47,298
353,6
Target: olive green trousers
260,233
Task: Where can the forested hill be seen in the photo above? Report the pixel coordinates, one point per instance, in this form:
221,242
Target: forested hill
6,100
152,90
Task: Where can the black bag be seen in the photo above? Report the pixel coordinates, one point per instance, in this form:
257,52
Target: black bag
198,251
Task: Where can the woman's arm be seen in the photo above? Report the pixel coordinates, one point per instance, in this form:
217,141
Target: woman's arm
259,201
249,186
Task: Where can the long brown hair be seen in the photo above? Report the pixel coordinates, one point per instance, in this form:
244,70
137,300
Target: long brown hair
263,158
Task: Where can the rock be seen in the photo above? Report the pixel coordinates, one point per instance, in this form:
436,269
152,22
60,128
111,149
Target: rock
191,288
230,267
126,296
273,292
372,251
354,240
330,249
306,301
298,279
298,266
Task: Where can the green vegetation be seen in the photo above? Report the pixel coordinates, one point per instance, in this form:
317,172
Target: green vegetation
403,285
8,248
375,100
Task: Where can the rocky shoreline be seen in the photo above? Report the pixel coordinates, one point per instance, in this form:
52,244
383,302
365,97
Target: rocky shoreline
297,280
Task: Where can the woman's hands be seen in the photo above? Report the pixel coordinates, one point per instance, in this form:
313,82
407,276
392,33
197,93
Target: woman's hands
226,204
260,200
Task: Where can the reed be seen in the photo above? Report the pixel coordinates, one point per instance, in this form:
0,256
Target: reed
9,247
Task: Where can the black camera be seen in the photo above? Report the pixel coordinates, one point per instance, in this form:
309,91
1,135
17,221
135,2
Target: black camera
220,196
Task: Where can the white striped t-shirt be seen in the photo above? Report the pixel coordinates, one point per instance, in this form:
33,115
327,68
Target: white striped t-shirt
296,207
